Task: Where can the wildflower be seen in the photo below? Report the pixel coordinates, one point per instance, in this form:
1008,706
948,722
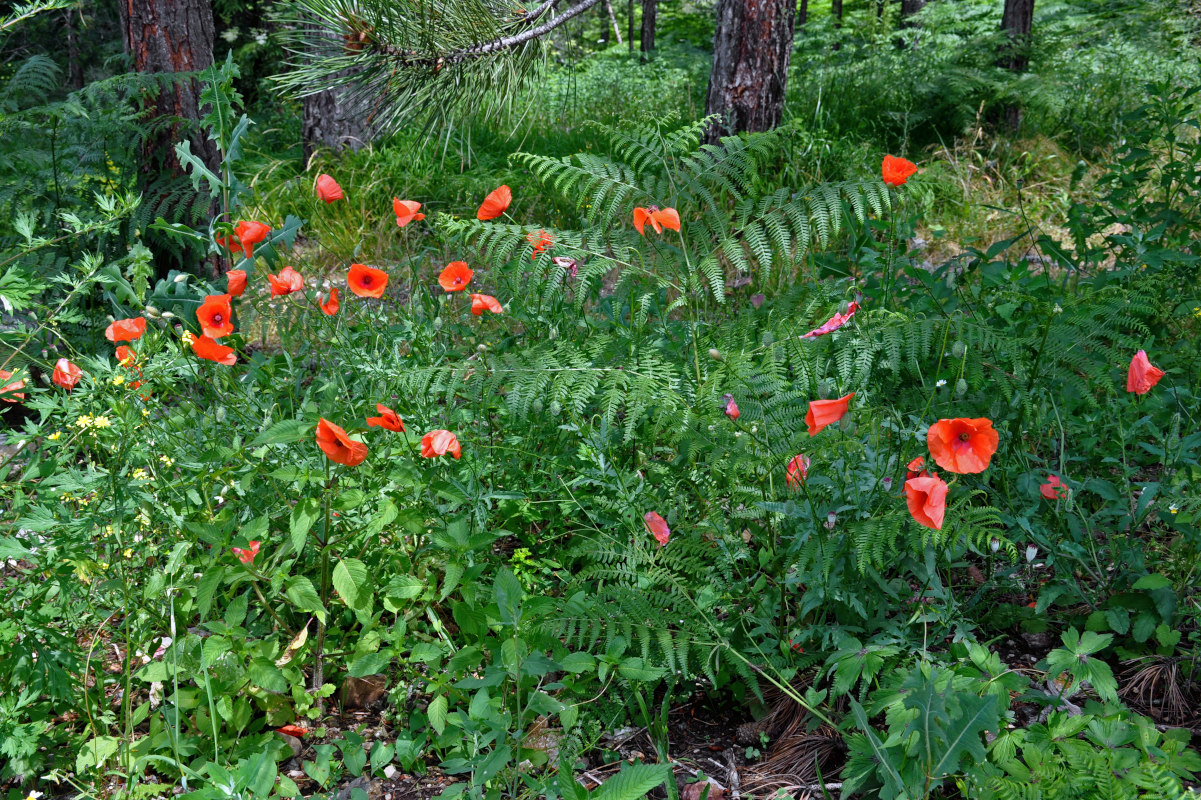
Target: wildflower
215,316
406,211
54,437
657,217
485,302
210,349
246,555
797,471
235,282
1053,489
66,374
569,264
1058,309
140,474
117,380
388,419
657,526
330,306
367,281
833,323
328,189
927,500
455,277
286,282
167,460
1142,376
540,241
1174,509
916,468
12,392
940,383
962,445
126,330
826,412
82,421
246,235
495,204
338,446
896,171
101,422
126,357
831,521
293,730
731,407
439,443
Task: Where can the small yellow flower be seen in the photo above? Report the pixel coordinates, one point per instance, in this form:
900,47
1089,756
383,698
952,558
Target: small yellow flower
102,422
54,437
167,460
145,412
188,338
118,380
129,552
1175,509
83,421
108,530
140,474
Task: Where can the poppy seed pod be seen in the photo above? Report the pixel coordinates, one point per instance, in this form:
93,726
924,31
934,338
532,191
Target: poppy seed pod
152,311
960,387
556,408
437,323
538,406
959,349
714,354
824,389
843,307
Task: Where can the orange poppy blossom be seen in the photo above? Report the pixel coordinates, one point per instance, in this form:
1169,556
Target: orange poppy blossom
540,241
246,555
495,204
485,302
287,281
896,171
338,446
208,348
439,443
797,472
215,315
328,189
1053,489
388,419
916,468
657,217
406,211
367,281
657,526
731,407
293,730
833,323
1141,376
826,412
455,277
235,282
927,500
246,235
11,393
961,445
126,357
330,306
126,330
66,374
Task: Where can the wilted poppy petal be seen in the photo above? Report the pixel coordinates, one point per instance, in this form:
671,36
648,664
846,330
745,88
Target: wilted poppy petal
338,446
1053,489
668,218
797,472
927,500
826,412
328,189
962,445
126,330
834,323
208,348
455,277
388,419
66,374
250,233
235,282
484,302
657,526
330,306
1141,376
641,217
246,555
439,443
731,407
406,211
287,281
540,241
495,204
11,393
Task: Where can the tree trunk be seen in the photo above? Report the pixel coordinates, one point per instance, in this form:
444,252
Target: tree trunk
803,13
630,27
74,65
909,8
171,36
836,11
330,120
1017,21
751,50
613,22
647,44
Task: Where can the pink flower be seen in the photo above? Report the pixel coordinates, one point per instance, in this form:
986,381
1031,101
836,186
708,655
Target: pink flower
246,556
657,526
833,323
1053,489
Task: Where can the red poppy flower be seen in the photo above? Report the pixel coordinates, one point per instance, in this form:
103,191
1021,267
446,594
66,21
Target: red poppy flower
11,393
540,241
388,419
125,356
337,446
1053,489
495,204
485,302
293,730
927,500
962,445
797,472
731,407
569,264
455,277
286,282
328,189
826,412
126,330
897,170
330,306
406,211
235,282
657,526
367,281
215,316
833,323
211,349
66,374
439,443
246,235
657,217
246,556
1142,376
916,468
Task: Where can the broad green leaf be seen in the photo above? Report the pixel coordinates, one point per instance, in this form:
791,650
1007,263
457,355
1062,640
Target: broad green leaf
352,584
437,713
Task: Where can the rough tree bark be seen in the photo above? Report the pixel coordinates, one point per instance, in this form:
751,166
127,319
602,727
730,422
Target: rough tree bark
803,14
836,11
171,36
909,8
329,120
751,50
612,22
647,42
1017,21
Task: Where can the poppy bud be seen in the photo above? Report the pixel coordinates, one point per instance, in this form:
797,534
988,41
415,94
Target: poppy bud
555,408
887,483
847,425
714,354
151,311
537,406
181,277
994,544
831,521
769,339
168,315
479,348
823,390
437,323
960,387
959,349
843,307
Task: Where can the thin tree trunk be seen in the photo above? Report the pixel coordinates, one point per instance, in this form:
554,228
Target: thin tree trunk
909,8
879,9
331,121
751,50
1017,21
630,27
647,43
803,14
74,65
613,22
836,10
